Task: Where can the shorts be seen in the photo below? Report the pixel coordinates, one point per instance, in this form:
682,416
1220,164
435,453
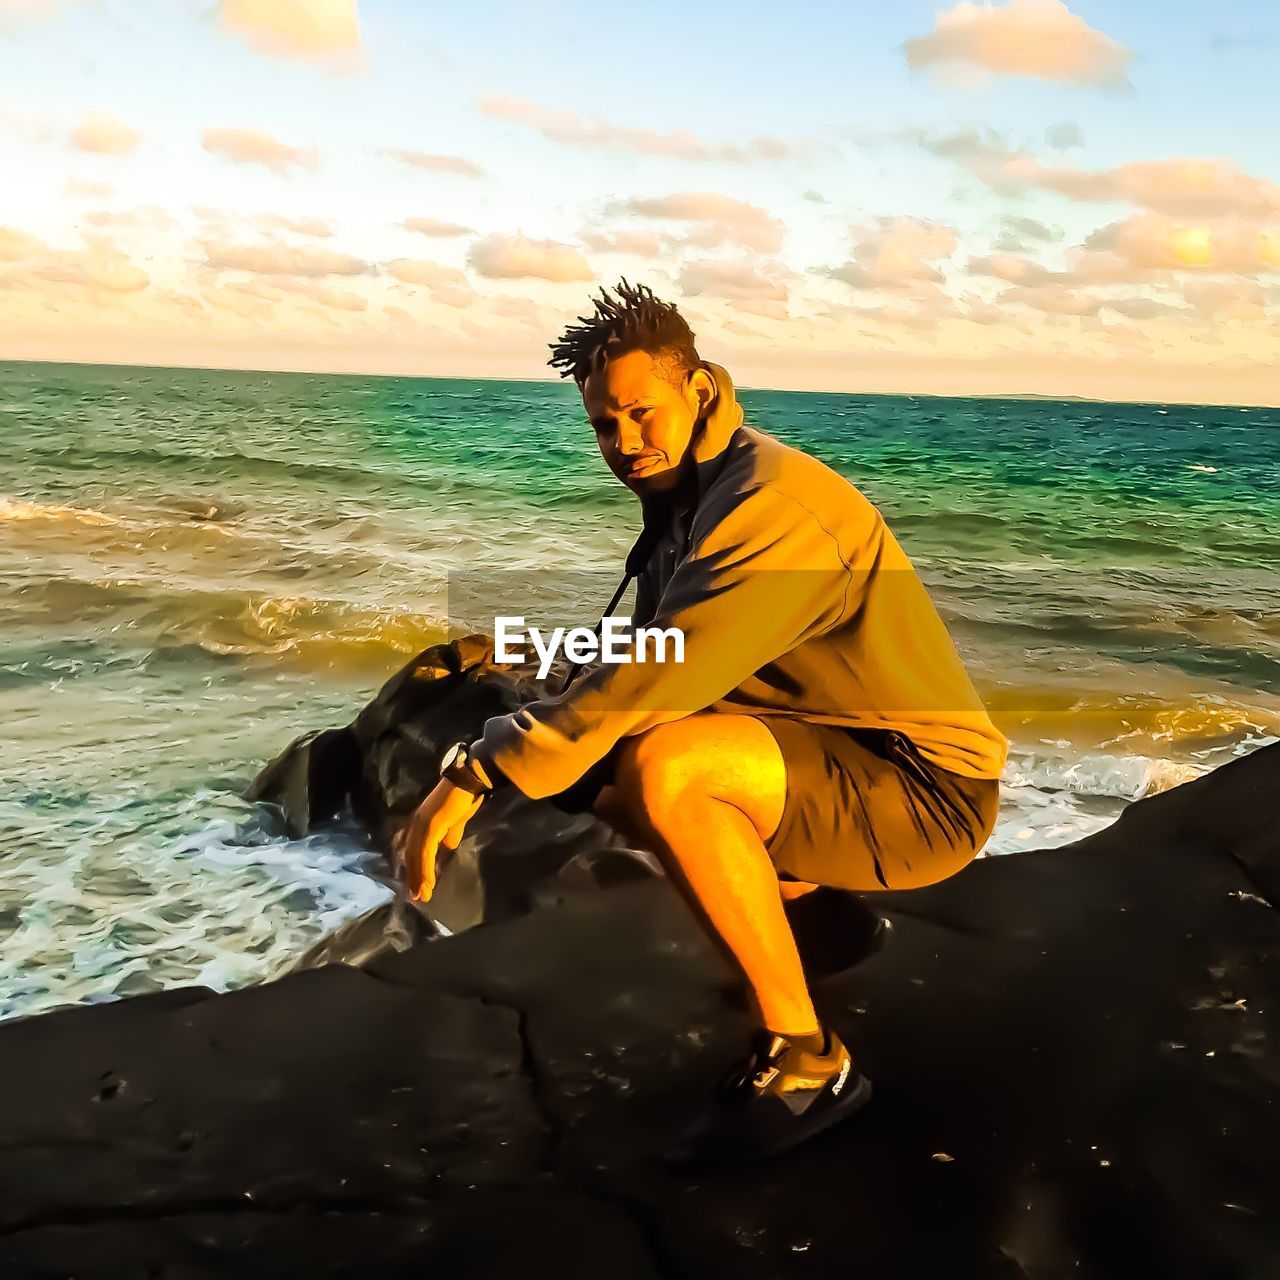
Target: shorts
864,810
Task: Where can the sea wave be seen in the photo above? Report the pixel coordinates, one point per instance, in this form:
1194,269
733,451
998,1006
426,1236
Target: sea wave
14,509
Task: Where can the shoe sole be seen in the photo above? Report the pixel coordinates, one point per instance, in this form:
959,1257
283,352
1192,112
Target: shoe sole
849,1105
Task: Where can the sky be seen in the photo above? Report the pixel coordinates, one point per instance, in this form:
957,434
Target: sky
1023,197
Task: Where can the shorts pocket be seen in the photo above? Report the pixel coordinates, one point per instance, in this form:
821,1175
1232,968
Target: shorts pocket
956,820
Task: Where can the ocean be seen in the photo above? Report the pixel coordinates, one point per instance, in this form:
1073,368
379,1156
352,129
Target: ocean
197,566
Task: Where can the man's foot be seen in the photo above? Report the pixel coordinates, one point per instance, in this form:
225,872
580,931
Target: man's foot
778,1097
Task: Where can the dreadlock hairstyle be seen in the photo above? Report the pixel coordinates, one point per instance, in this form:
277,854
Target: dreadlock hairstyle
633,320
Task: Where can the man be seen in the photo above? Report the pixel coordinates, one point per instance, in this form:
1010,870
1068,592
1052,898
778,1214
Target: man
821,734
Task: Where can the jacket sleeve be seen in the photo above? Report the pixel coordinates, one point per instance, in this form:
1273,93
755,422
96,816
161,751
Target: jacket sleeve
759,581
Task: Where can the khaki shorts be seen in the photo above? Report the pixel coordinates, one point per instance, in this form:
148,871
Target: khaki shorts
865,811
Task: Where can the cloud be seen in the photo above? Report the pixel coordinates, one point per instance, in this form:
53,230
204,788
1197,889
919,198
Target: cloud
896,254
1141,308
572,130
1063,136
436,227
282,260
430,274
815,197
89,189
251,146
1016,231
16,245
1147,242
1052,299
732,221
1217,300
1181,187
719,279
639,244
436,163
1040,39
500,257
326,295
144,218
101,133
13,13
315,228
1011,268
98,268
324,29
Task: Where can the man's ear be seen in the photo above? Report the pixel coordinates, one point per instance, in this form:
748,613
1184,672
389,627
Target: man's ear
700,385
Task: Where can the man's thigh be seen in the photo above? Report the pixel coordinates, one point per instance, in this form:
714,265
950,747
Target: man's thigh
733,758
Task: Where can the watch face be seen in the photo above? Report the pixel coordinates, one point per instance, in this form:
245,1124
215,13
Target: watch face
456,753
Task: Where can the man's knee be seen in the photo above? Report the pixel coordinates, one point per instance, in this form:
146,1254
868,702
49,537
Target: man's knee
658,768
732,758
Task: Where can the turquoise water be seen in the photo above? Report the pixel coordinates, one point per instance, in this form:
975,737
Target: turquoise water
197,566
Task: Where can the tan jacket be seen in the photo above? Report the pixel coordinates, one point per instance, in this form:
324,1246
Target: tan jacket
795,599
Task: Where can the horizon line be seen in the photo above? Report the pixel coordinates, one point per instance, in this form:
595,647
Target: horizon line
740,386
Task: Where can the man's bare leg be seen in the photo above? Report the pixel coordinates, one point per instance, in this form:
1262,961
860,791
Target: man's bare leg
795,888
704,794
610,808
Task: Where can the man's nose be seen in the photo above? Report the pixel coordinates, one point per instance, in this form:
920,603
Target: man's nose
629,439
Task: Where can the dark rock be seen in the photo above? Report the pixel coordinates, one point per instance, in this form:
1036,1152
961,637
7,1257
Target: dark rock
517,852
1074,1052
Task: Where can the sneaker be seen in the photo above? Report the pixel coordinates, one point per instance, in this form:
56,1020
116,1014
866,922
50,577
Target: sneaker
777,1098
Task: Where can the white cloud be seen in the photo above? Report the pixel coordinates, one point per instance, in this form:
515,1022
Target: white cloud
324,29
435,227
738,280
639,244
1181,187
252,146
282,260
731,221
101,133
436,163
573,130
499,257
98,268
896,254
16,245
1041,39
89,189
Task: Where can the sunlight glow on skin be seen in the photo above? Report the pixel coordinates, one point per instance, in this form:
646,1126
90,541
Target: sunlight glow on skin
638,413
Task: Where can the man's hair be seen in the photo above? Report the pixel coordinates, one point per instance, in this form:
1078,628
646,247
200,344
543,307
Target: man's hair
633,320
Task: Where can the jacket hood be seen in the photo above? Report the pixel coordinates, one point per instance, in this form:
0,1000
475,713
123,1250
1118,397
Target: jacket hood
723,419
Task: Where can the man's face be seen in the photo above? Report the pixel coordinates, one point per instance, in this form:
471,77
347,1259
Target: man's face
643,423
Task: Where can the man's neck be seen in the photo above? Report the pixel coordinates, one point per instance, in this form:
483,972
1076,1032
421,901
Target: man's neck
664,504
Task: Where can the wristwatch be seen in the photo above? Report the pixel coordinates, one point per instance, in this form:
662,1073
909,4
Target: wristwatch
461,768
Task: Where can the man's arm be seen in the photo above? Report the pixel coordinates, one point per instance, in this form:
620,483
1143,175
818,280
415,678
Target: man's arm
766,577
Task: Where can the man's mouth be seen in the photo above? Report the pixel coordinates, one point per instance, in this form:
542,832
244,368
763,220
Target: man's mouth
641,465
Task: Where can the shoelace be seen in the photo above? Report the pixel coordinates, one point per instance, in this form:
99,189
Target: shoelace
758,1068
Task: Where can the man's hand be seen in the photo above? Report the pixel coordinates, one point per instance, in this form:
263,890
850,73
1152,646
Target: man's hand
438,821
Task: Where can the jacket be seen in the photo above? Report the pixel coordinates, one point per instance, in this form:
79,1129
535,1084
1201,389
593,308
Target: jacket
794,598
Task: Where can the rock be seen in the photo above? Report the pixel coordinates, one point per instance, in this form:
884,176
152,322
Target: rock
1074,1050
517,852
